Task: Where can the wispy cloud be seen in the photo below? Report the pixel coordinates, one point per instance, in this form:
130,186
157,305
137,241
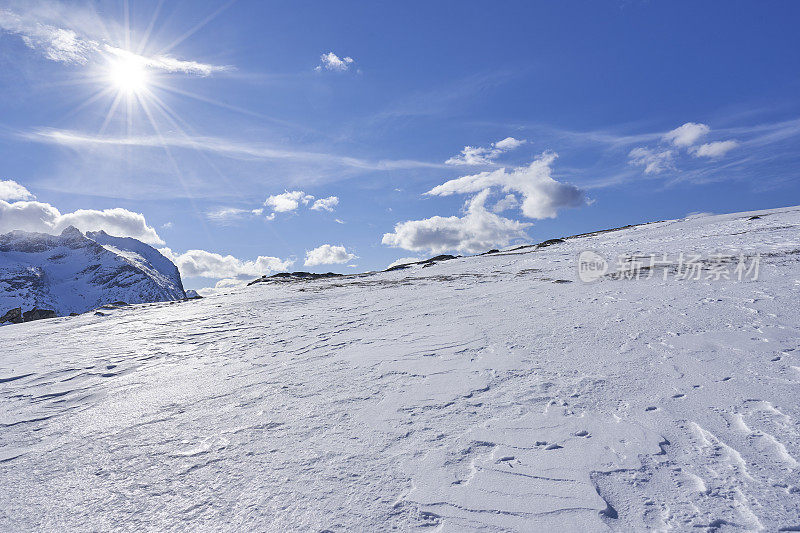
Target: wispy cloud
481,155
225,147
653,161
66,45
229,215
168,63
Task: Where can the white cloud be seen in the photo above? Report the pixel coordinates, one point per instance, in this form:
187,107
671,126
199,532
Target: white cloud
477,155
687,134
331,61
326,204
476,231
509,201
715,149
227,283
654,162
167,63
404,261
242,150
10,190
56,44
228,215
200,263
328,255
509,143
44,218
542,195
68,46
287,201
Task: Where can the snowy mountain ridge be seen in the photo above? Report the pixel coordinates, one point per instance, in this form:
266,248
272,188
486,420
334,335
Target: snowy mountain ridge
73,272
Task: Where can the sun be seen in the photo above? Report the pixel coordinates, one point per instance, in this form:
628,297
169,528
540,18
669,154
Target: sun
128,75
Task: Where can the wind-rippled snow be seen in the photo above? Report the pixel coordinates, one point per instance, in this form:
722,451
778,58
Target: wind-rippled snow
476,394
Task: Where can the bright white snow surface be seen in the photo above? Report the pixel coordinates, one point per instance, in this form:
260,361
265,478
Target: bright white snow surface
476,394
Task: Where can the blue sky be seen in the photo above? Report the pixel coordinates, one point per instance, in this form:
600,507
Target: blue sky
250,137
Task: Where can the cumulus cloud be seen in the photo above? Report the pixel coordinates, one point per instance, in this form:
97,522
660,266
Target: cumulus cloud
542,196
715,149
476,231
223,284
200,263
328,255
687,134
44,218
653,161
331,61
326,204
68,46
478,155
683,138
288,201
10,190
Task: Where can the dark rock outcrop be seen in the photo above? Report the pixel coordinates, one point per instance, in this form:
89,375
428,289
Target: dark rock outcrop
426,263
295,276
38,314
12,315
549,242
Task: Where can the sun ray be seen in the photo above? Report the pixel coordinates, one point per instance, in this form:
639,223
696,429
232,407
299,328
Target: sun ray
111,111
174,118
146,37
98,95
197,27
178,172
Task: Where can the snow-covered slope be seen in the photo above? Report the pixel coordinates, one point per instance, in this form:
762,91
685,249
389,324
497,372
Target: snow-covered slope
490,393
73,273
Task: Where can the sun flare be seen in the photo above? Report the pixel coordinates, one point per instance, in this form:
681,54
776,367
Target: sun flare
128,75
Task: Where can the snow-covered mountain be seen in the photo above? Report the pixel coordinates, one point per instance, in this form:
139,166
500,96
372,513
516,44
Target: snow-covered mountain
490,393
73,272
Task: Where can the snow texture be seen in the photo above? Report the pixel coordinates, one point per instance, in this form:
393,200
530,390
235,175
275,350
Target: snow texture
74,273
486,393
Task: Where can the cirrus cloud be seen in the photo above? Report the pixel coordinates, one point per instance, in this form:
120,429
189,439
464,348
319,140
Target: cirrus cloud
65,45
